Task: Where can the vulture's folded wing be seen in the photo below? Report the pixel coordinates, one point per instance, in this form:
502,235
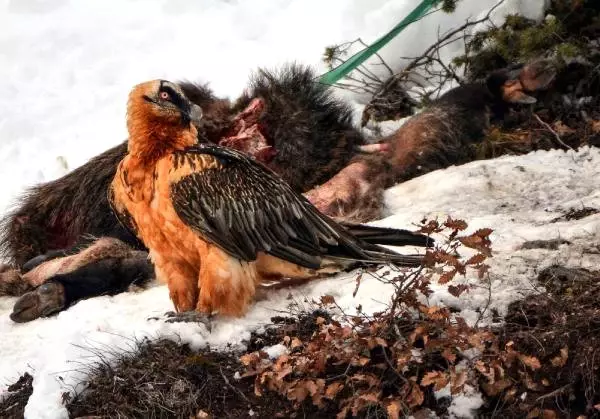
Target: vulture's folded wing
244,208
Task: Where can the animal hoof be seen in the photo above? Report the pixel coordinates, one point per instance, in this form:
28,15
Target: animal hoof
43,301
191,316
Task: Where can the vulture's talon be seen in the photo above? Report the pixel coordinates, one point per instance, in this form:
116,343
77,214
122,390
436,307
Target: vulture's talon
43,301
191,316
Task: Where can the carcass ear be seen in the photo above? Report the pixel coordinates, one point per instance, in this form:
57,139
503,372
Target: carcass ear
537,75
512,92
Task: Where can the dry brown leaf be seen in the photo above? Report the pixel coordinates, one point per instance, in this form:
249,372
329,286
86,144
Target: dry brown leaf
457,290
320,362
455,224
483,269
449,355
297,393
448,259
281,362
430,378
327,299
373,342
381,342
300,391
530,384
530,361
343,413
447,276
478,339
542,414
437,378
483,232
370,397
436,312
333,389
363,361
562,129
493,389
284,372
415,397
317,388
393,409
296,343
250,359
476,259
561,360
457,380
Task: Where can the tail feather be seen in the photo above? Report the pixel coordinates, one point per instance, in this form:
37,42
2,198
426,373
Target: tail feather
388,236
370,242
396,259
372,257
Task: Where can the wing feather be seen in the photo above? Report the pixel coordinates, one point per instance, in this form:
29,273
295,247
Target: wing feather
244,208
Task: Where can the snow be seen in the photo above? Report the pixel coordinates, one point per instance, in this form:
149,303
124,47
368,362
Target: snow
275,351
67,69
465,405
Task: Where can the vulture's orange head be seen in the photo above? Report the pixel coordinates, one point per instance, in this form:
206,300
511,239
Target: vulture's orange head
160,117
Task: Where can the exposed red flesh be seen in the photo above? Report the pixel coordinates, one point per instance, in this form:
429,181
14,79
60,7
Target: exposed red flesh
245,134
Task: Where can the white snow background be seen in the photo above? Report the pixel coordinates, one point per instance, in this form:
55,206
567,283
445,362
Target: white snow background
67,67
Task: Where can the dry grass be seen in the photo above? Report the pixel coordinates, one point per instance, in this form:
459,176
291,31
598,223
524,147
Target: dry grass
13,405
561,330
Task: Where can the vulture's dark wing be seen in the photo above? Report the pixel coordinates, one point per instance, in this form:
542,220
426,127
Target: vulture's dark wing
244,208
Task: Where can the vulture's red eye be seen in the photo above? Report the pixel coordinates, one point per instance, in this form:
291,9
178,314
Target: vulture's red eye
164,96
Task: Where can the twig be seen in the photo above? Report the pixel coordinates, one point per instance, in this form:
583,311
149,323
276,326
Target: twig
234,388
549,128
554,393
488,302
448,36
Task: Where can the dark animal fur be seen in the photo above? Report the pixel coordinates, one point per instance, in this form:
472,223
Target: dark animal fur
108,276
58,214
217,112
311,130
105,267
440,136
445,132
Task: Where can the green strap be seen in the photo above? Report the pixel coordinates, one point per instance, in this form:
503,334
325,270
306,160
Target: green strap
360,57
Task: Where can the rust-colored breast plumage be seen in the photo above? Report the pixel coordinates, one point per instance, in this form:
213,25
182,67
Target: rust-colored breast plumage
140,195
